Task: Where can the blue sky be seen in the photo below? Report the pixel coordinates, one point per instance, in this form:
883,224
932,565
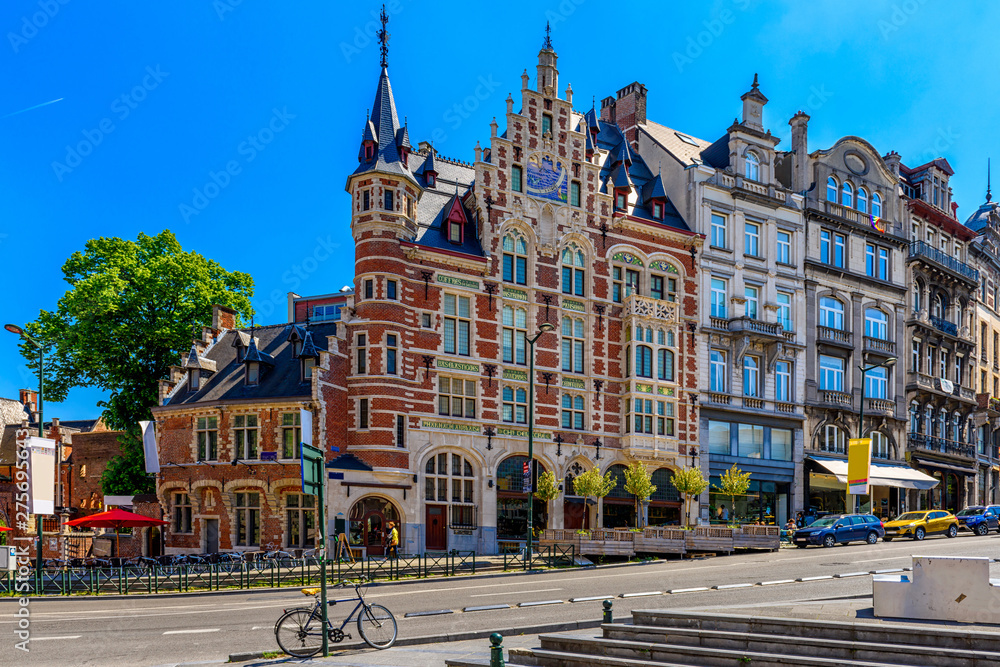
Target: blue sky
158,97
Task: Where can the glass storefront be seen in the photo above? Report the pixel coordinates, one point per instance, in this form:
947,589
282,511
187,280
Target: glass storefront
764,502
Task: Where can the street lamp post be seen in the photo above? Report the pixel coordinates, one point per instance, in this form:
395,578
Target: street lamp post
888,363
545,326
14,329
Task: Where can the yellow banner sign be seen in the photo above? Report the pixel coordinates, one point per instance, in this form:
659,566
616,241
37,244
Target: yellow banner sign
859,456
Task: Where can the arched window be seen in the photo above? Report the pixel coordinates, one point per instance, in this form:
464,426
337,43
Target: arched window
515,259
573,274
942,431
665,364
512,500
930,424
618,474
847,195
515,332
940,306
752,166
831,313
644,361
876,324
572,411
876,205
665,489
862,200
880,445
831,189
832,439
450,478
515,405
510,473
572,345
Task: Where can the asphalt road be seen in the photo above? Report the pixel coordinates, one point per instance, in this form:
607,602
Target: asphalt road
150,630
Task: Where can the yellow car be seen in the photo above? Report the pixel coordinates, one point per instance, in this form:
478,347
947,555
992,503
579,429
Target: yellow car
920,524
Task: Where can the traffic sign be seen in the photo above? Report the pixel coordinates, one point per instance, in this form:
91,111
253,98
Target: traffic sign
312,470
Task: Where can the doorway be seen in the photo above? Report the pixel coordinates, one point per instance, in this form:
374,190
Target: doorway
211,536
437,532
368,519
154,542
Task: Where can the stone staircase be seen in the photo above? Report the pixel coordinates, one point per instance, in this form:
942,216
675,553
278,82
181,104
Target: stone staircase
698,639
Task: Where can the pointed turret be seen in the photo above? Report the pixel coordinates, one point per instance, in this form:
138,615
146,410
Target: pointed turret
753,106
546,73
623,155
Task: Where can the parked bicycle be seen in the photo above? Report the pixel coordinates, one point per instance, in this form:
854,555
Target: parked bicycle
299,631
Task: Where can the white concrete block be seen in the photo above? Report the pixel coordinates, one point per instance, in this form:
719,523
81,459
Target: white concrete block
942,588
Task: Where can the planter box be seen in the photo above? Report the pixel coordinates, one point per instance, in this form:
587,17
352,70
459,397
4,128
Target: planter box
709,538
599,542
757,537
660,541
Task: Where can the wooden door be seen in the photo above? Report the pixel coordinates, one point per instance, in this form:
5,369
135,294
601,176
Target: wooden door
436,526
211,536
373,527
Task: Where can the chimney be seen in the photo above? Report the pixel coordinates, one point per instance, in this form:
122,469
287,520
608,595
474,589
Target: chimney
29,398
630,111
223,318
800,147
608,110
892,161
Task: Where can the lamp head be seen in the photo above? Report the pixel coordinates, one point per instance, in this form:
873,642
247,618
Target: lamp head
14,329
891,361
545,326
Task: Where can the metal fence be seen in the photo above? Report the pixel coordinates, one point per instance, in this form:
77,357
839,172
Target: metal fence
555,555
122,580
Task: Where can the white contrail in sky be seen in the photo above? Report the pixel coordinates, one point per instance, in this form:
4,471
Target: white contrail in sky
34,107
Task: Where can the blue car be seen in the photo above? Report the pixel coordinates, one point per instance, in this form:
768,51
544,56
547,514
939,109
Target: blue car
980,519
840,529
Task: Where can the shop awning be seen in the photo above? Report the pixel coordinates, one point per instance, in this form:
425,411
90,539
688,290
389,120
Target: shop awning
880,474
940,465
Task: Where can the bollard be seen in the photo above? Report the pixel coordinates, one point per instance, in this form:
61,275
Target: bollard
496,650
607,611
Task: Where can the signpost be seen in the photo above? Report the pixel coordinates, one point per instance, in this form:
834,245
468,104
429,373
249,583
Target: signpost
313,468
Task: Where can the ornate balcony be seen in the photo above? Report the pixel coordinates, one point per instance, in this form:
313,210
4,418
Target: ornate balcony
930,443
835,336
753,403
752,327
879,346
944,326
881,406
841,398
924,251
650,308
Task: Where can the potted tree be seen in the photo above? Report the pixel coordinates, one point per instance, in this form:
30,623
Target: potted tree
639,482
732,483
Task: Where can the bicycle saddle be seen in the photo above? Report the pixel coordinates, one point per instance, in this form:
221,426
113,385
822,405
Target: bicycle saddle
310,591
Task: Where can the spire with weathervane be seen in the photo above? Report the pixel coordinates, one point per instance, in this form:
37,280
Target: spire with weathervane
547,76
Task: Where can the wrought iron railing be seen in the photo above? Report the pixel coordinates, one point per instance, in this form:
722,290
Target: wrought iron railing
932,443
944,325
924,250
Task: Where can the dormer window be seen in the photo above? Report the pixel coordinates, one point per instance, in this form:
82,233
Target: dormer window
431,178
296,348
194,379
369,151
752,166
621,200
253,373
455,231
657,210
307,368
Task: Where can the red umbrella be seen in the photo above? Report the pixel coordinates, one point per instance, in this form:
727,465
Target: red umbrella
116,519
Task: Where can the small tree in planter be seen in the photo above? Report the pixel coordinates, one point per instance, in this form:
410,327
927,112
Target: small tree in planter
734,482
591,484
638,482
690,483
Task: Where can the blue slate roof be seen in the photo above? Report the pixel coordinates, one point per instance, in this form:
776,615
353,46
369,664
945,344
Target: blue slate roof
980,219
436,201
387,129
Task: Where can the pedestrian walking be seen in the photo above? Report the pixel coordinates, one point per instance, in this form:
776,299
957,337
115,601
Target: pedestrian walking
392,541
725,513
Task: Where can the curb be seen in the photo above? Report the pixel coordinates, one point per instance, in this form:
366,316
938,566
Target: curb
455,637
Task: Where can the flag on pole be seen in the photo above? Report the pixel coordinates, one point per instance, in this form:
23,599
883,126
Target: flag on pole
149,446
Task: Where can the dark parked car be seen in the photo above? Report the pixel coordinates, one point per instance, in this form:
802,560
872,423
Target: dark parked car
840,528
980,519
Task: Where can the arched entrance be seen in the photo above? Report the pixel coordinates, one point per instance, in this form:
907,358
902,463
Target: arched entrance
575,514
619,505
512,501
368,519
665,503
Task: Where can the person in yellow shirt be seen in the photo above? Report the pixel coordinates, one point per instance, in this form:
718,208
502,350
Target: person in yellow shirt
393,541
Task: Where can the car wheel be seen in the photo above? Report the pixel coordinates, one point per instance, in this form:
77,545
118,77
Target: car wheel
982,529
829,541
872,537
887,539
952,530
919,534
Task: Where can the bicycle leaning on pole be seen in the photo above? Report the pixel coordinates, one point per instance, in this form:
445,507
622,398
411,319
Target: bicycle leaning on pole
299,631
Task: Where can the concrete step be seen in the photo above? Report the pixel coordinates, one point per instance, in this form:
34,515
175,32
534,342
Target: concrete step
874,633
598,650
897,654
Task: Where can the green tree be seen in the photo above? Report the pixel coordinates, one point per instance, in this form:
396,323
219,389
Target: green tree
548,487
639,482
128,315
734,482
690,483
590,484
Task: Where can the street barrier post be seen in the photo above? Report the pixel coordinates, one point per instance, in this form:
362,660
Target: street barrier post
496,650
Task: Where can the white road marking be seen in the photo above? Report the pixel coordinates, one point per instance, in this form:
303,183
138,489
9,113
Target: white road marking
191,632
641,595
42,639
540,590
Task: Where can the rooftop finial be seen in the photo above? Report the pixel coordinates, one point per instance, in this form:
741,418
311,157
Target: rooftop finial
547,44
755,85
989,195
383,37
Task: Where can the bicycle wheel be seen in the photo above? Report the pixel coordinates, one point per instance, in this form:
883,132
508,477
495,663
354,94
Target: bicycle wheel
299,633
377,626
